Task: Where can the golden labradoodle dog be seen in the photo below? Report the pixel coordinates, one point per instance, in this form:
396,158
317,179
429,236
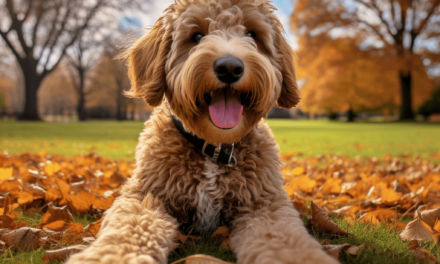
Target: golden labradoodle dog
213,69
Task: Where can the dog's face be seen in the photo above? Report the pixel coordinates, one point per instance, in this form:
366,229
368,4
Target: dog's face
221,64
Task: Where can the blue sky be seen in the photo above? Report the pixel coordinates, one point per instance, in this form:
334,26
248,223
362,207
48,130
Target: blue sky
285,5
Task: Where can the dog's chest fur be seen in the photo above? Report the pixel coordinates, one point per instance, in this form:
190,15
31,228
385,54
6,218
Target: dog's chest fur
210,201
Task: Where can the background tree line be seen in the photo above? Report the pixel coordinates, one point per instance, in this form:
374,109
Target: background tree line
355,56
57,56
367,55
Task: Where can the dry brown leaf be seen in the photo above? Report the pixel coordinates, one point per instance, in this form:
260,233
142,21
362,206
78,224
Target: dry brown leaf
333,250
297,171
377,216
81,202
9,209
94,227
24,238
390,197
103,203
201,259
52,195
182,238
11,186
413,244
52,168
19,224
75,227
323,223
332,186
5,173
25,198
5,221
436,227
55,214
417,230
423,255
59,225
64,189
430,216
62,254
223,233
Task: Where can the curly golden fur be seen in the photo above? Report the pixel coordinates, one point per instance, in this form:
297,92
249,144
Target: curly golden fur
174,185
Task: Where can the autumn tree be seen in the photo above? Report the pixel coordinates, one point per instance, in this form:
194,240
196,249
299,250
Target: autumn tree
338,76
58,85
108,81
39,33
401,27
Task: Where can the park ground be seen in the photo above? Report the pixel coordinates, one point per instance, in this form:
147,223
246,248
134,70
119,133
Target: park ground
117,140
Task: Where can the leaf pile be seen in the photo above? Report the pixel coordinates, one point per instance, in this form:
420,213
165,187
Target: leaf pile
56,189
371,191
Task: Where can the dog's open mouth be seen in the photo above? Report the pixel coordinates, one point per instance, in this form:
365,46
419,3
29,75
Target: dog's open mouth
225,108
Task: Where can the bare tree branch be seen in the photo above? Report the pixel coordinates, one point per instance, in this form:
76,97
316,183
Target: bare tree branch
379,14
11,47
56,38
39,12
425,21
51,29
75,36
28,10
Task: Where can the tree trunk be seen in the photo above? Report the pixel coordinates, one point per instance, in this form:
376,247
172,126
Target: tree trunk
80,108
119,106
406,111
350,115
32,83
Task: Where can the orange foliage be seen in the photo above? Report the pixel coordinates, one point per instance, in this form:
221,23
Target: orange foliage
339,75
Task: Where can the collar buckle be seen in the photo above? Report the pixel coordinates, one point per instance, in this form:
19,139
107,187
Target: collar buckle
232,161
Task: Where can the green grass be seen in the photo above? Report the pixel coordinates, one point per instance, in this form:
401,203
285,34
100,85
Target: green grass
118,139
109,138
364,139
384,244
32,257
207,246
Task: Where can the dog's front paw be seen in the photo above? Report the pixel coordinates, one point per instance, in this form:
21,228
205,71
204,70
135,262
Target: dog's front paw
304,256
110,255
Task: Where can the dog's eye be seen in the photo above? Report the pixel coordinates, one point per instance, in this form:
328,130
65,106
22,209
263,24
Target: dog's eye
251,34
197,37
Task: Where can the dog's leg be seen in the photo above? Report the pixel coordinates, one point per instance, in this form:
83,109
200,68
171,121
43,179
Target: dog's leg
275,234
133,231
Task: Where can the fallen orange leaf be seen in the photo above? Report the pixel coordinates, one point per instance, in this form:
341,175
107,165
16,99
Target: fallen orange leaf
25,198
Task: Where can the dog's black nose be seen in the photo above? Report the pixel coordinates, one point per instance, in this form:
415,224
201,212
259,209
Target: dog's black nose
228,69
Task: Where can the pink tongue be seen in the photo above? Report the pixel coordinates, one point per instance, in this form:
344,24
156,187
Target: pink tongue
225,109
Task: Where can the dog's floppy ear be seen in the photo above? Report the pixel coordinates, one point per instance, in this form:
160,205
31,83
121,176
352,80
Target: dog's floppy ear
146,64
289,96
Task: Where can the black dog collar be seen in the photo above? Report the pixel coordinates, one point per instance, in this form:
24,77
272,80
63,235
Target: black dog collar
217,154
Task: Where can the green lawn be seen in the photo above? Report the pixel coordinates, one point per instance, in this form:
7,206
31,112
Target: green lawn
118,139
